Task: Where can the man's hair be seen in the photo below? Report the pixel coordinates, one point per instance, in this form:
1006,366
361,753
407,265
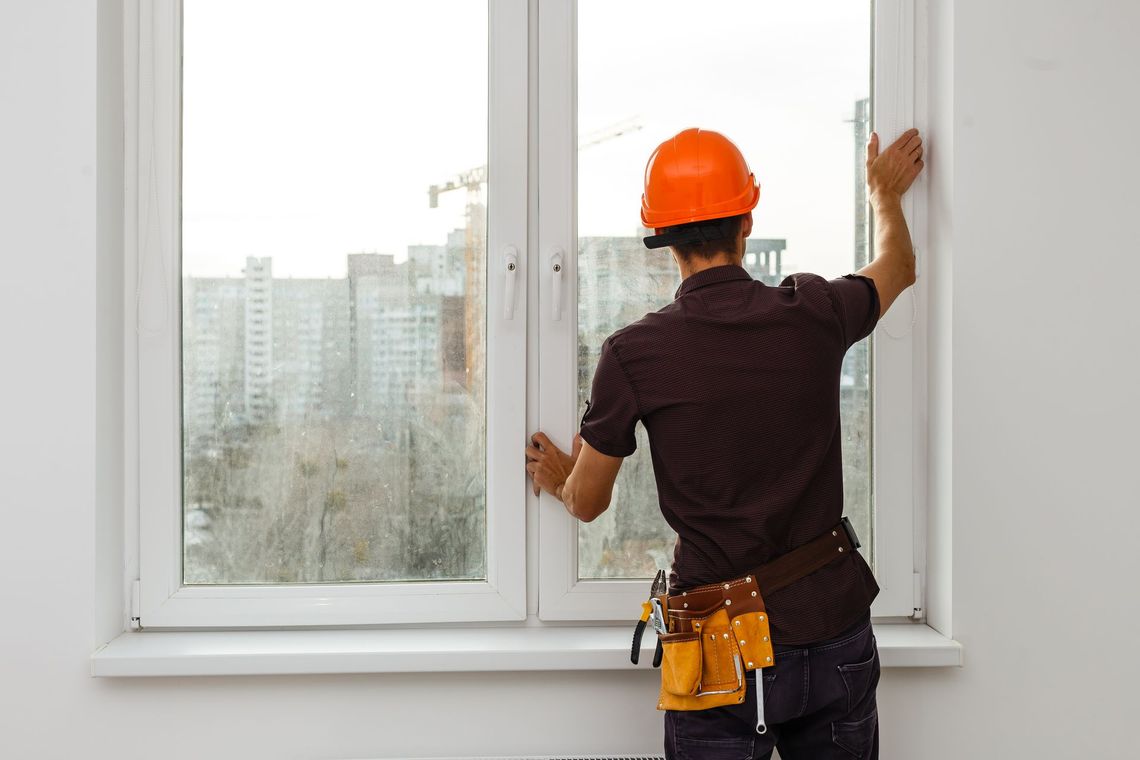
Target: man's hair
709,249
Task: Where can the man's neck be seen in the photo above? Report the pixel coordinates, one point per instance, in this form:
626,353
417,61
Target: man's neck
697,264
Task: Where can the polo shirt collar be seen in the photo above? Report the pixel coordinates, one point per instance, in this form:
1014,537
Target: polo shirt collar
720,273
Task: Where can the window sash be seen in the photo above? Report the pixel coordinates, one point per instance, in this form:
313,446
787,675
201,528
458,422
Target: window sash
153,203
897,355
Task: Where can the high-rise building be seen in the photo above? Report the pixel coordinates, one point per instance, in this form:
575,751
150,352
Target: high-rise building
408,328
379,302
441,272
439,268
310,348
213,353
258,338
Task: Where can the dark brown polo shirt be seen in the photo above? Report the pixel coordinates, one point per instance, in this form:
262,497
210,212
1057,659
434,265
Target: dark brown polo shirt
737,384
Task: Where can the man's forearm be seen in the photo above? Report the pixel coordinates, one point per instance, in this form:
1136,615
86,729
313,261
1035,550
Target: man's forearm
568,494
567,497
893,269
892,236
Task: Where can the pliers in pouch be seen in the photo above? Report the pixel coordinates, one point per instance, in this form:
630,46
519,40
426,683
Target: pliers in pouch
651,609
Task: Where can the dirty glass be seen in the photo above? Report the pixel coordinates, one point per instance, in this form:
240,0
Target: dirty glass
333,291
790,84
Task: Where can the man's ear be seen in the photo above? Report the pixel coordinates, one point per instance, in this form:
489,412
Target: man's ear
746,225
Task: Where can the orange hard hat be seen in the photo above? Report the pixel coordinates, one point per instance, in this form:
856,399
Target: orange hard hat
696,175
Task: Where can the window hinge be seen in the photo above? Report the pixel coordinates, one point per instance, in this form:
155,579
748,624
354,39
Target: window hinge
136,619
919,613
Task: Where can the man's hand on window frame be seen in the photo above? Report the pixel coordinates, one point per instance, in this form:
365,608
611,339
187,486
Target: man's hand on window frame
548,465
582,480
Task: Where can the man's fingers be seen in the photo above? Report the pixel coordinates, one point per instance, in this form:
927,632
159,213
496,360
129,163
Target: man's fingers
911,143
903,139
532,452
872,147
531,467
540,439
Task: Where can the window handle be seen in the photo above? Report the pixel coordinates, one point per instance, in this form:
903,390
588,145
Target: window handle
556,283
510,270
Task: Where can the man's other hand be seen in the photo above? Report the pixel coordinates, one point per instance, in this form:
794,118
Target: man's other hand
549,466
891,173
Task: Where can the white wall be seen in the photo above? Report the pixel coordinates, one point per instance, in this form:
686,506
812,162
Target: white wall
1043,209
1037,360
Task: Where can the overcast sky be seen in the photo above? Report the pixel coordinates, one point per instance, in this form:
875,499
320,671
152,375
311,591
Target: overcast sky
313,129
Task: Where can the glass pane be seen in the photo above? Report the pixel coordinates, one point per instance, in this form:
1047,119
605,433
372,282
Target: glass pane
792,92
333,273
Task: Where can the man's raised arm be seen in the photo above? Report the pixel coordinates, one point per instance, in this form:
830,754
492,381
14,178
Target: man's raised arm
889,175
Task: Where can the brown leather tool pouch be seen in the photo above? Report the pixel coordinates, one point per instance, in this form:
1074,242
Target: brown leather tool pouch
716,633
680,663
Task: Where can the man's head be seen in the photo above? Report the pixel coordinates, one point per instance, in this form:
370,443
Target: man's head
719,240
699,196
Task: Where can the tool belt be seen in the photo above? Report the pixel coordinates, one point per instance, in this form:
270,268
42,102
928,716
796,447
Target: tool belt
711,635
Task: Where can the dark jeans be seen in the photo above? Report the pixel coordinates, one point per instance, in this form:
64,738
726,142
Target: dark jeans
819,703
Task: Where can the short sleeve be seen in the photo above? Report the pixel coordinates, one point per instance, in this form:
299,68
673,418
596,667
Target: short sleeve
855,300
611,411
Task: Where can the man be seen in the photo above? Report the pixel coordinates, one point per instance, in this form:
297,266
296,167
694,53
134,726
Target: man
737,383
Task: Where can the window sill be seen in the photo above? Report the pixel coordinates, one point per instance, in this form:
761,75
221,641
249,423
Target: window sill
223,653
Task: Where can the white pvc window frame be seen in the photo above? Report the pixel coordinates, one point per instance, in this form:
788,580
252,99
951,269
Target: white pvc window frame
897,356
152,202
152,125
